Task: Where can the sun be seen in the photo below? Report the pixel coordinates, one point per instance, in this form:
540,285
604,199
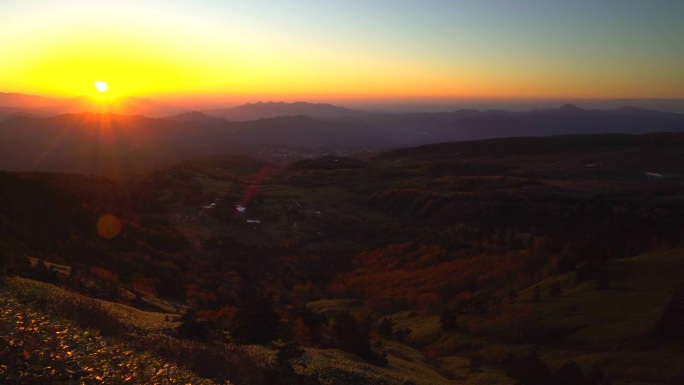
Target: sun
101,86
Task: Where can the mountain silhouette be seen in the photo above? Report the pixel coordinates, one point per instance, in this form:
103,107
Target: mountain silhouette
43,106
103,143
570,108
195,116
114,144
253,111
9,113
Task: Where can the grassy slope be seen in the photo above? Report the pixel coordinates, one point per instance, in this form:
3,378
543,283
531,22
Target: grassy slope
72,348
612,328
410,361
40,347
615,327
604,327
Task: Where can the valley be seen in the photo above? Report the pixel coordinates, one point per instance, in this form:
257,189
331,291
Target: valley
464,260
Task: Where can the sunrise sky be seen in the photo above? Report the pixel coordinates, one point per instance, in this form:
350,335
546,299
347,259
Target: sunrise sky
251,50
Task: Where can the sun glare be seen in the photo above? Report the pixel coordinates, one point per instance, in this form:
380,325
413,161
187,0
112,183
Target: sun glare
101,86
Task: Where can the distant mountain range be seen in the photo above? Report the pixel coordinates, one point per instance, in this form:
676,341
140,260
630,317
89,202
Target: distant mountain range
42,106
16,104
568,119
109,143
195,116
113,143
656,104
253,111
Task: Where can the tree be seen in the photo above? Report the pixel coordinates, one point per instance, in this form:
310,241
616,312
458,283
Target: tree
536,294
529,370
256,322
386,328
602,280
671,322
448,319
475,365
308,325
286,352
401,333
137,301
192,328
349,335
4,263
41,272
570,374
597,377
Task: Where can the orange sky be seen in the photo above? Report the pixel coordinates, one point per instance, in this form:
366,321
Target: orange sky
211,50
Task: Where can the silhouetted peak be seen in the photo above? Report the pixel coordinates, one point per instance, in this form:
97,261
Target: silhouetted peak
570,108
264,110
288,104
631,110
194,116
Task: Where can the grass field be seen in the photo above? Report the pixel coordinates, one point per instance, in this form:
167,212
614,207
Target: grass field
613,328
115,343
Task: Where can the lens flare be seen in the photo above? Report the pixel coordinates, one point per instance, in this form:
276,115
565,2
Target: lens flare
108,226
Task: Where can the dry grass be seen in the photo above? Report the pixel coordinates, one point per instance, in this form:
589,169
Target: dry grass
93,341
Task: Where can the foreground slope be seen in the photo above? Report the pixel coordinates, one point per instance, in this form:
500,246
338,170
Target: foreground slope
48,335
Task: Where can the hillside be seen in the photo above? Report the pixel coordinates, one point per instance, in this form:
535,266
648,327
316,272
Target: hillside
462,125
456,261
118,344
116,144
111,144
39,345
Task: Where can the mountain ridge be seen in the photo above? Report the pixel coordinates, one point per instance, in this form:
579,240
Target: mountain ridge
264,110
148,142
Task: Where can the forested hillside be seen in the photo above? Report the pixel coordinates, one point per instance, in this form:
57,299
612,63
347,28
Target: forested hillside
552,260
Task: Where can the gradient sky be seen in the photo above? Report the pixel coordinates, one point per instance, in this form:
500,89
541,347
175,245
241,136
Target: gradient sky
315,49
